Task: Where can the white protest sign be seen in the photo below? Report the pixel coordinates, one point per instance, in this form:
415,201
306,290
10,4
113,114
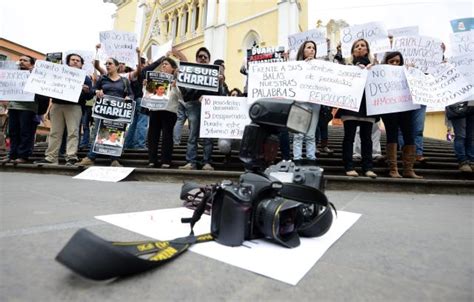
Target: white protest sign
446,88
223,117
12,83
462,43
88,57
423,52
56,81
267,80
335,85
160,51
121,46
110,174
404,31
8,65
373,32
387,91
318,36
465,65
257,255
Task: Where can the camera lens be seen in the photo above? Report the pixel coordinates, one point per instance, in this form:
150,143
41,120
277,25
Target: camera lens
278,219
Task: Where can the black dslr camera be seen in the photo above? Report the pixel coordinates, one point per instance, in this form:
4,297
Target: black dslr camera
282,202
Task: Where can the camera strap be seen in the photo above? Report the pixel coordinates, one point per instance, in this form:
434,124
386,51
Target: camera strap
95,258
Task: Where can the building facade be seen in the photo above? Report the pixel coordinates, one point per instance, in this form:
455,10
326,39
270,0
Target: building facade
12,51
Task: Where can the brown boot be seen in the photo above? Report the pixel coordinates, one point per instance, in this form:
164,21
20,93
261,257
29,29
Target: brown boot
391,151
408,158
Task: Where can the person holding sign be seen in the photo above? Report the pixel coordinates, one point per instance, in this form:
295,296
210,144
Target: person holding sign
21,123
162,122
306,52
360,56
114,85
404,121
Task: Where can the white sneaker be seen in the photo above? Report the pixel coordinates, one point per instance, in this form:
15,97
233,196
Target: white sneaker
207,167
188,166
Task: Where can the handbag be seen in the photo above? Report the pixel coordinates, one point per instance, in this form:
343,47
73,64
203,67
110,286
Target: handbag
325,114
459,110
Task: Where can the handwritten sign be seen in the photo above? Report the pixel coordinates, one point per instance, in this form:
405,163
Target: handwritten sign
160,51
110,138
387,90
276,80
88,57
373,32
121,46
56,81
198,76
223,117
265,54
462,43
423,52
465,65
110,174
446,88
404,31
8,65
318,36
463,24
12,83
335,85
114,109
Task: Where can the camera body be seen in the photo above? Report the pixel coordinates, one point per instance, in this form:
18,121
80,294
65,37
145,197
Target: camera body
256,208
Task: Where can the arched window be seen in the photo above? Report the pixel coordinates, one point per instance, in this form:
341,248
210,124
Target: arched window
251,38
195,17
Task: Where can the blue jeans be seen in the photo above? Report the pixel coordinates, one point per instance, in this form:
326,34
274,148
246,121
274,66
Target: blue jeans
464,139
85,123
418,117
193,110
137,131
308,138
178,127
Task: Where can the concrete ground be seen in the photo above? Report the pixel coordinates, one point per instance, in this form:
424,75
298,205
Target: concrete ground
405,247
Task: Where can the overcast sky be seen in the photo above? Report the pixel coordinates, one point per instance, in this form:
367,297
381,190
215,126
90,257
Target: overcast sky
60,25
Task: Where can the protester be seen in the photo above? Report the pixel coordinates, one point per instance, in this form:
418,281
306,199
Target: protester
21,123
3,125
163,121
66,115
114,85
405,122
461,116
220,63
192,99
236,92
226,145
376,147
307,52
360,56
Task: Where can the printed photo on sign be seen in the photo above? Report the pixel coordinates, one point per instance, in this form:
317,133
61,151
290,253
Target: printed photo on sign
464,24
110,138
56,81
114,108
373,32
198,76
387,91
423,52
157,90
265,54
121,46
12,84
54,57
223,117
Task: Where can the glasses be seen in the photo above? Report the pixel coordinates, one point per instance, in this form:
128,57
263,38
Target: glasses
204,57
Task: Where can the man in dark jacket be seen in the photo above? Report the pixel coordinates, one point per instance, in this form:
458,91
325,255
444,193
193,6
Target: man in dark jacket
65,114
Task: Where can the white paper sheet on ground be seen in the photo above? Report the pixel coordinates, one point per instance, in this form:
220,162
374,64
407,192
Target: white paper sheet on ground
110,174
259,256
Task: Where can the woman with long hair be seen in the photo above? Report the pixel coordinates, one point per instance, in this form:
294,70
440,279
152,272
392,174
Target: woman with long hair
360,56
306,52
404,121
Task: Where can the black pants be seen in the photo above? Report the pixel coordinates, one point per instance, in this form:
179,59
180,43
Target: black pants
350,128
22,129
402,120
161,121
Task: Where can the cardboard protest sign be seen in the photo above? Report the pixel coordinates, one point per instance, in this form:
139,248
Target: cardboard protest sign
224,117
335,85
463,24
404,31
265,54
114,109
88,57
159,51
198,76
387,91
465,65
110,138
54,57
56,81
373,32
276,80
318,36
157,90
8,65
423,52
462,43
446,88
12,83
121,46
